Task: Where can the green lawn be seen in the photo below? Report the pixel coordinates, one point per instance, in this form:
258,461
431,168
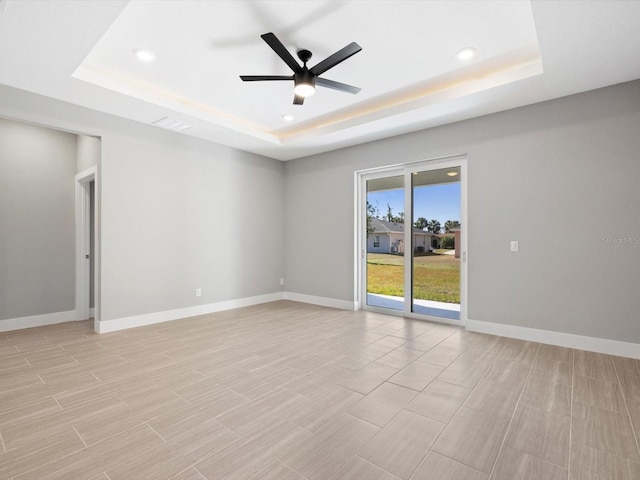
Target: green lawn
436,277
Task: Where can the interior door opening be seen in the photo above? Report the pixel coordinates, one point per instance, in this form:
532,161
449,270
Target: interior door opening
92,249
87,245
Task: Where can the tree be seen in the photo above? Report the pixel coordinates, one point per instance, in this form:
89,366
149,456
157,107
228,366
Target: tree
399,218
371,211
449,225
448,242
433,226
421,223
389,213
390,217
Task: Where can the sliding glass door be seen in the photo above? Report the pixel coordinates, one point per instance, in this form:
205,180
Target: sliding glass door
412,239
435,258
385,242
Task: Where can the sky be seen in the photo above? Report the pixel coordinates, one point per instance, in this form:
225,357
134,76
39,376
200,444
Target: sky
440,202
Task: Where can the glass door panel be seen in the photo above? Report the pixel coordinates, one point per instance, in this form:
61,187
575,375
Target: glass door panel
436,243
385,252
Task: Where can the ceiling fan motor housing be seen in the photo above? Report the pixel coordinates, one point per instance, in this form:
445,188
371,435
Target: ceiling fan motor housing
305,76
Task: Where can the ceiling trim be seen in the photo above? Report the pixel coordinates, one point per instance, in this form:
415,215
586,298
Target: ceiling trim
473,79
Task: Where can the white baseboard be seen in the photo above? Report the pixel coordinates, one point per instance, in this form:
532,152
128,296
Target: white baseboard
106,326
322,301
580,342
600,345
37,320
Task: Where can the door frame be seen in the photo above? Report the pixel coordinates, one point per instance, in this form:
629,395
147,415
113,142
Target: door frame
83,243
360,234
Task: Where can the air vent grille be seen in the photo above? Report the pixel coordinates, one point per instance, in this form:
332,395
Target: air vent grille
169,124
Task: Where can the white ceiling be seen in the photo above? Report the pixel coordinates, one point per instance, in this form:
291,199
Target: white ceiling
527,52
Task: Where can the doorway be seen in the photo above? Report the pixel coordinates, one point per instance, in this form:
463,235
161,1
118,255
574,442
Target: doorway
412,240
87,247
92,249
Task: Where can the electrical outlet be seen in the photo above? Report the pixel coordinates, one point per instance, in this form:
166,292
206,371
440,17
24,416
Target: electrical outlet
198,292
514,245
282,281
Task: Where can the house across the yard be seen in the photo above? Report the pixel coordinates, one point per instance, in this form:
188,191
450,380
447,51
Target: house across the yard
388,237
455,233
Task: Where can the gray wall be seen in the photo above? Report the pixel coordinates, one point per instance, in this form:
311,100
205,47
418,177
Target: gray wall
557,176
177,213
180,214
37,169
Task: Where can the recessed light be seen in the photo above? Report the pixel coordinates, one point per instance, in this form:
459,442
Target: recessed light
452,174
287,118
466,53
144,55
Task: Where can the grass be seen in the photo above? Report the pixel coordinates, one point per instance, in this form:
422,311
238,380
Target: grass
436,277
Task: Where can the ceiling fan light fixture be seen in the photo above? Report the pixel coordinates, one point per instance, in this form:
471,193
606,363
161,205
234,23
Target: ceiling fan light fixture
305,83
304,89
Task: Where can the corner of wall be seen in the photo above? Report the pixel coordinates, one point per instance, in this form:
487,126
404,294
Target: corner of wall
321,301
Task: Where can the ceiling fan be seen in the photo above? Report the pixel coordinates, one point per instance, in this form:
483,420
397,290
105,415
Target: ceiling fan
306,79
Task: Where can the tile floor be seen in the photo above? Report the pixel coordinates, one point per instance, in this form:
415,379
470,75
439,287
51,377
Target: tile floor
287,391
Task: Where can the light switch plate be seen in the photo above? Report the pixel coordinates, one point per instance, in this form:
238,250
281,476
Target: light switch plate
514,245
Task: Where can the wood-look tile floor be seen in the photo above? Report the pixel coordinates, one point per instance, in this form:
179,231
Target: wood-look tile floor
286,391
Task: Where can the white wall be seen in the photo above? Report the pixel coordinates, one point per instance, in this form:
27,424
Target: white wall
565,170
88,152
37,168
177,213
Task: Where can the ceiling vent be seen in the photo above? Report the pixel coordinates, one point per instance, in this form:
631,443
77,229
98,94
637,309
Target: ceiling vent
169,124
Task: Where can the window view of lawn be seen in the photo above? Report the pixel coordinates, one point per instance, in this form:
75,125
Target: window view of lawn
436,277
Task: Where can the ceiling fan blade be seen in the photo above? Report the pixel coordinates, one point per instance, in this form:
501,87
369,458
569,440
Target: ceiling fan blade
262,78
281,50
342,87
298,100
333,60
